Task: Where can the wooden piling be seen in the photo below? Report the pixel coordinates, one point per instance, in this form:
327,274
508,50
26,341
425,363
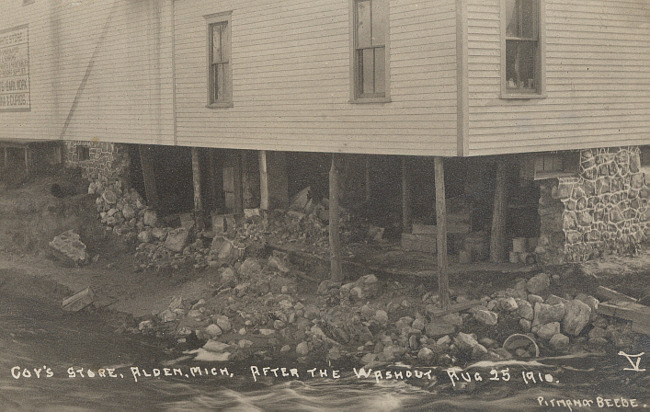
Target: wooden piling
498,233
149,176
336,266
406,197
441,226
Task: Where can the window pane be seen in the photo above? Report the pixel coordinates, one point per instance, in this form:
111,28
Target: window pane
220,83
520,64
379,22
216,43
367,72
528,19
512,21
227,82
214,82
380,70
225,43
363,24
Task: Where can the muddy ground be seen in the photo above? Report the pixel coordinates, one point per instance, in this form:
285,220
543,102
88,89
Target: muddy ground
271,306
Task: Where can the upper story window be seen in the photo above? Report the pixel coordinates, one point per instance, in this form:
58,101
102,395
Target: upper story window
370,59
522,72
219,64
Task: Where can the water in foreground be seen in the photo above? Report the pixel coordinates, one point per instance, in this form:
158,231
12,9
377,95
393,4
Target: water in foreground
37,340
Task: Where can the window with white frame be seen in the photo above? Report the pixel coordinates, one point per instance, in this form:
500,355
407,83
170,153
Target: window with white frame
370,59
522,54
219,61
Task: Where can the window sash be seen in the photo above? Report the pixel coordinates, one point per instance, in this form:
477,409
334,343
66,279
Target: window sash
522,51
219,58
370,32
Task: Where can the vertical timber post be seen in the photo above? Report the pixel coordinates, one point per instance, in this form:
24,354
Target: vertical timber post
336,266
211,181
196,180
441,222
367,178
497,235
264,181
406,197
149,176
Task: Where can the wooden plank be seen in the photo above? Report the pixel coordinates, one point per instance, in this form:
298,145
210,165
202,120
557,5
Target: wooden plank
149,176
336,264
625,310
441,223
611,294
78,301
497,235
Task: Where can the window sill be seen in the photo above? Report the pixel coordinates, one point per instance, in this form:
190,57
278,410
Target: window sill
366,100
522,96
224,105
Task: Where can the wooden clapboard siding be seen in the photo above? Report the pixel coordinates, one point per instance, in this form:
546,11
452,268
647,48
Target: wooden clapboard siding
291,79
127,94
36,123
597,79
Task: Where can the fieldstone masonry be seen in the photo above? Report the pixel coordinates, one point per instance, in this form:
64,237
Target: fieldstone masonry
107,161
604,209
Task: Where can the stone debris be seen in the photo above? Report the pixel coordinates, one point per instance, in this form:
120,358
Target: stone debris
69,247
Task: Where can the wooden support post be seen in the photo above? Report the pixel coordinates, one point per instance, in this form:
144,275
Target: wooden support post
6,158
367,176
441,225
498,233
406,197
149,176
212,181
239,182
336,266
196,180
264,181
26,159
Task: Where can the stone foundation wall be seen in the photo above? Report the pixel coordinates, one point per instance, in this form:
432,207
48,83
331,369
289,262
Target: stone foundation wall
604,209
106,162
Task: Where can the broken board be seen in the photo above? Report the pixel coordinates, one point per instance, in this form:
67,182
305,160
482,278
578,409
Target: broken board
78,301
638,314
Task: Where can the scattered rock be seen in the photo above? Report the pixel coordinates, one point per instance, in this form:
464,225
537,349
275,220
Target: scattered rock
526,310
224,323
559,342
302,349
548,330
250,268
507,304
177,239
576,318
381,316
69,247
213,330
538,283
486,317
548,313
466,342
426,355
150,218
327,286
167,316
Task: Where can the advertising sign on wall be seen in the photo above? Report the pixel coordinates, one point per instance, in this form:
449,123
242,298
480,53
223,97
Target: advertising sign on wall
14,69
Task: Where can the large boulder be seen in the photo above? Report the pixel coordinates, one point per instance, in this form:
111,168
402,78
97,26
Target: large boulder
538,283
465,342
150,218
576,317
545,313
69,247
549,330
177,239
437,328
486,317
366,287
